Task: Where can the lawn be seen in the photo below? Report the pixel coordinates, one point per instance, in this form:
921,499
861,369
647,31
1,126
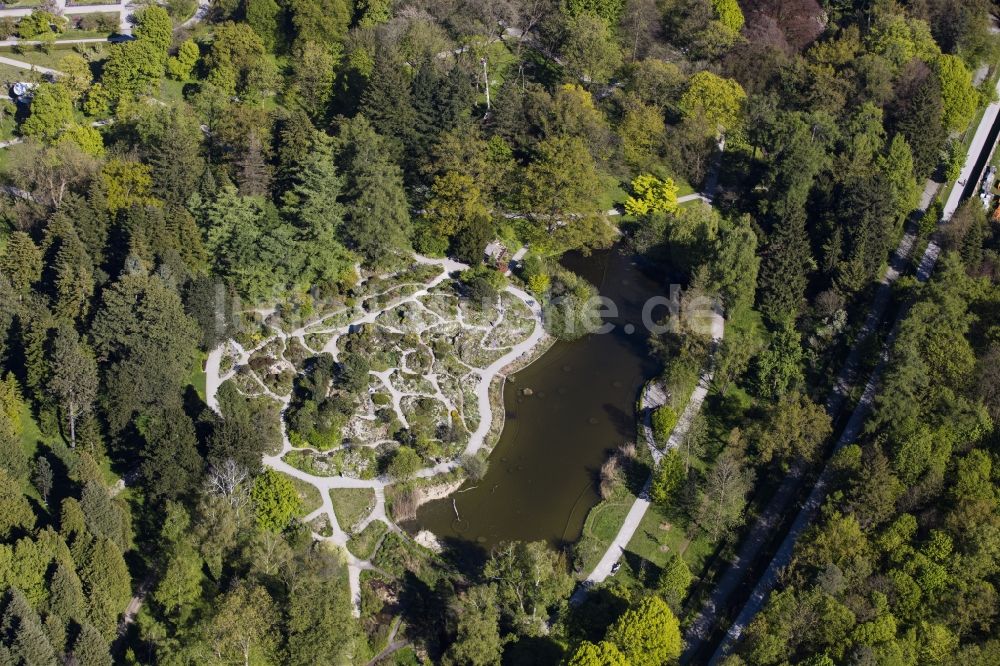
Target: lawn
36,56
363,545
351,505
611,193
4,157
76,33
502,63
196,379
657,538
171,92
10,74
32,436
599,529
308,494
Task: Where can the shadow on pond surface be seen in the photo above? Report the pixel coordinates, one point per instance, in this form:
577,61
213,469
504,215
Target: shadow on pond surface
542,476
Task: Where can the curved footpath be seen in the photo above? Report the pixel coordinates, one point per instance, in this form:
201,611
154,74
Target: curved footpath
641,503
214,379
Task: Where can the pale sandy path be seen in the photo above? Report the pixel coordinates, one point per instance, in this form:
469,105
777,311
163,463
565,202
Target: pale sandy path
324,484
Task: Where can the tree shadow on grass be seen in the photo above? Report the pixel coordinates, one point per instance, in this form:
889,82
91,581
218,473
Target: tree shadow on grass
424,610
589,620
532,651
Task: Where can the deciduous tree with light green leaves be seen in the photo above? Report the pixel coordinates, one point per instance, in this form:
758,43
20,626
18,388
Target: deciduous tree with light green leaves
478,641
959,96
76,75
132,68
651,195
649,634
262,16
87,138
373,12
560,189
127,184
729,14
179,67
153,24
244,629
603,653
51,112
275,500
609,10
590,51
719,101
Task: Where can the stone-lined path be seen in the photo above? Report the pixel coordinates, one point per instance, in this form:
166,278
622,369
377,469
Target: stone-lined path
338,536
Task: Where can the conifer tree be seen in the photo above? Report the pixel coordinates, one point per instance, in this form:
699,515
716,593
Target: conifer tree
90,648
21,262
66,594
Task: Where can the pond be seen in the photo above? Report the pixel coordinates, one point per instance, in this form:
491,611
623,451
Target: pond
542,478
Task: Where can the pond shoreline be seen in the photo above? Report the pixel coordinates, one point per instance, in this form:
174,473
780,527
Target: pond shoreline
547,446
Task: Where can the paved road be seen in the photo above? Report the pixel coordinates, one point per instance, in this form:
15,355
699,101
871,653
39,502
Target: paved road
762,532
770,518
975,148
35,42
810,508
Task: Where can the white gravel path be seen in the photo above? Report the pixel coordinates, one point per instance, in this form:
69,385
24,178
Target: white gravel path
214,378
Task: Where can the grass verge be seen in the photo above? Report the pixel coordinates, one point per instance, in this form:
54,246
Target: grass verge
363,545
351,505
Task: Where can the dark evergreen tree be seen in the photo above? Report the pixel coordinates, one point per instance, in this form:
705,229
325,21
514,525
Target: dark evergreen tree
90,648
917,113
66,594
22,631
378,219
785,268
387,101
171,465
253,174
175,157
294,139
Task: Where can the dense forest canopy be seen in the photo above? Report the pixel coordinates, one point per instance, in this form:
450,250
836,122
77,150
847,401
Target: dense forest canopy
253,159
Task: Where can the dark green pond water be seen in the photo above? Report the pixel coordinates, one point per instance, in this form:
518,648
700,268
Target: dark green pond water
543,473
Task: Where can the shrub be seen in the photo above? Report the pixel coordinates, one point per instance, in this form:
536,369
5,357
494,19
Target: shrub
667,478
475,467
611,477
107,22
275,500
664,419
404,464
572,309
404,503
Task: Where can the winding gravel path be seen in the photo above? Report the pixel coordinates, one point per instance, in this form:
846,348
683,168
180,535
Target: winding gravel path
214,378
